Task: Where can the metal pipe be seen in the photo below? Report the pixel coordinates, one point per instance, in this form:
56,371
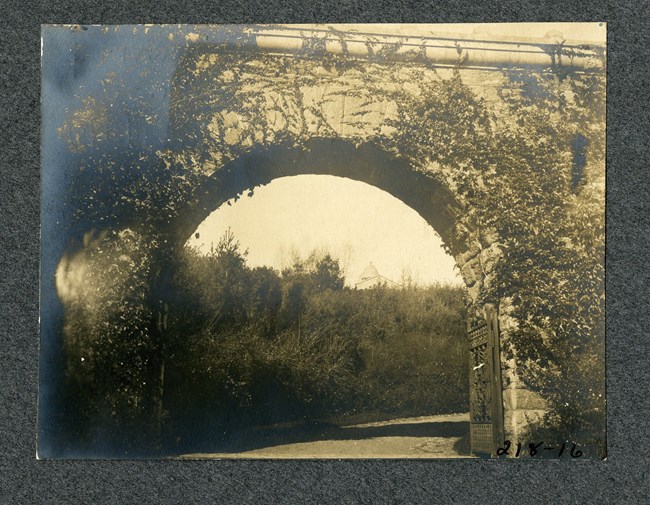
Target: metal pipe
446,51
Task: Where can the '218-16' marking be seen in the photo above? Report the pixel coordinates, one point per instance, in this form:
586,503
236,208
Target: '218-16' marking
534,449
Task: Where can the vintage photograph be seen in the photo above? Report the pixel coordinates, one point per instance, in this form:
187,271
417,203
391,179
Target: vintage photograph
323,241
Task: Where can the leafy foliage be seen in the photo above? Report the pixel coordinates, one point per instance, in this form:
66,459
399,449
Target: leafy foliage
312,349
111,348
552,225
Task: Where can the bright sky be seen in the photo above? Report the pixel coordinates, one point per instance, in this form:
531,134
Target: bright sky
355,222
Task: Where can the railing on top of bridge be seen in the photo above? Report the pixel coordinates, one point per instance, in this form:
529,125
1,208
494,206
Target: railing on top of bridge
477,52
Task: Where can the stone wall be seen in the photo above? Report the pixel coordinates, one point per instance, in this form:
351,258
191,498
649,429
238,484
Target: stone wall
521,406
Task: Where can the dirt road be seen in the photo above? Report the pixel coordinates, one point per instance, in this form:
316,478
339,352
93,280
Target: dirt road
443,436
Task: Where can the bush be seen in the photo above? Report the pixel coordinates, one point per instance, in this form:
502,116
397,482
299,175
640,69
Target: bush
299,346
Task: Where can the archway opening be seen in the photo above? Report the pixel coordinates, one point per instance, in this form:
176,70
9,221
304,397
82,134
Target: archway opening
321,340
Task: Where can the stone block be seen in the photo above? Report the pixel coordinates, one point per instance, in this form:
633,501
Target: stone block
490,256
472,251
473,292
461,232
471,272
489,237
516,422
522,399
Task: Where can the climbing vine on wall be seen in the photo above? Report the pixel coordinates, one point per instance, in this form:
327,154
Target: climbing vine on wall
547,201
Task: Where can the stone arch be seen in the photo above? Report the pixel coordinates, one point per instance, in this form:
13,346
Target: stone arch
428,196
366,163
255,116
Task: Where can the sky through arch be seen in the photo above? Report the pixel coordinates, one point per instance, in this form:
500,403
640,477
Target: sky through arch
354,221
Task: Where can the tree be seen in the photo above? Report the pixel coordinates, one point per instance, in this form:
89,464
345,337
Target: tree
318,271
109,342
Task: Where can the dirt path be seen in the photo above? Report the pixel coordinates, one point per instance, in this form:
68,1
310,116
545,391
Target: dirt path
443,436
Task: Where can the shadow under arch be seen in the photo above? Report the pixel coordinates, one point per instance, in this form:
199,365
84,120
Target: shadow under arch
366,162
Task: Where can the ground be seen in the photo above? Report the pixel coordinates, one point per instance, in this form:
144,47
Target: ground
441,436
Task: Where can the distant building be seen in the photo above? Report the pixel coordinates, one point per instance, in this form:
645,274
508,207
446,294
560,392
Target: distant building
371,278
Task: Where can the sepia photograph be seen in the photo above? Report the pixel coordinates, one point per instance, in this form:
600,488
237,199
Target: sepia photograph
323,241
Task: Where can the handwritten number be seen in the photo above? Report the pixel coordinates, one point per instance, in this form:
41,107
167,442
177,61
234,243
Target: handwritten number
504,450
533,448
574,453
